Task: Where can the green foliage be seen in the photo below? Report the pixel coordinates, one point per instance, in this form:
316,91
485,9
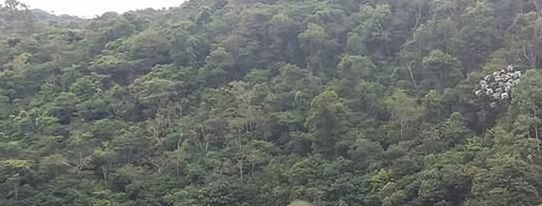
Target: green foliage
325,122
320,48
16,164
300,203
271,102
405,110
440,70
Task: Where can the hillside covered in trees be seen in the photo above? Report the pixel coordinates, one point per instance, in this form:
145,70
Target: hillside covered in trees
272,103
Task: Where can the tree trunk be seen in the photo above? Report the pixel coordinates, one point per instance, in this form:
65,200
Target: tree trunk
536,7
240,166
537,136
104,173
536,129
411,75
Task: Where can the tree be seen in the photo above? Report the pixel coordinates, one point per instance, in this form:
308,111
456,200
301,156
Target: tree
283,29
405,110
321,48
150,46
440,71
524,40
219,67
13,171
477,38
506,181
370,37
188,49
525,102
248,119
325,122
454,130
352,71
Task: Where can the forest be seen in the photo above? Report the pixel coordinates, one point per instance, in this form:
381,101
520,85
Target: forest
273,103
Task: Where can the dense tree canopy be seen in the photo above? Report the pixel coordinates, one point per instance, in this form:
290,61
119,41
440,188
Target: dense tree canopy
271,102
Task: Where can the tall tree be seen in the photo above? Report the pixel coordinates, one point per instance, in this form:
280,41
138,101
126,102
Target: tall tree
325,122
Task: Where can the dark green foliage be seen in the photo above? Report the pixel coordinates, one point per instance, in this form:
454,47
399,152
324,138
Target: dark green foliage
271,102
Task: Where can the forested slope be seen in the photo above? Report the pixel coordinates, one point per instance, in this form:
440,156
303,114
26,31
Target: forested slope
265,102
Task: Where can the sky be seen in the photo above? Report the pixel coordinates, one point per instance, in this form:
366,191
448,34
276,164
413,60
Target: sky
89,9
